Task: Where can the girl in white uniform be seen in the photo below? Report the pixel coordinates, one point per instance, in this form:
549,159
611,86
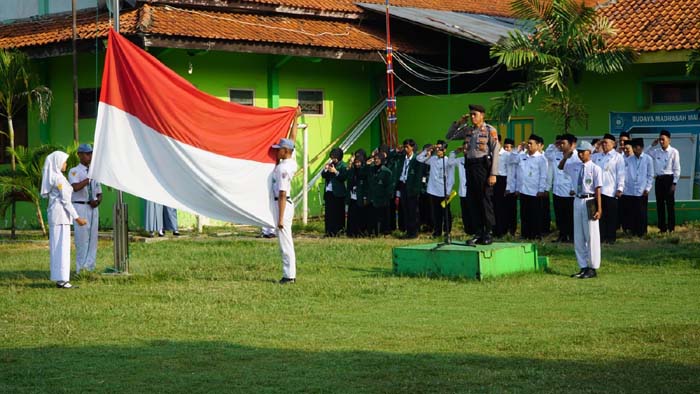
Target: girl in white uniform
61,214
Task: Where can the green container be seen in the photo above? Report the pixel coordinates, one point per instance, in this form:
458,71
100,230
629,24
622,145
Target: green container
461,261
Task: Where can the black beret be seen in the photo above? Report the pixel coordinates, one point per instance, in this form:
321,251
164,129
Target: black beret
609,136
666,133
536,138
508,141
636,142
477,107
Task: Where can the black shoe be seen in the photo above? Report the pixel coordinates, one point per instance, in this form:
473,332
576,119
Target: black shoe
285,281
161,234
580,273
176,233
485,240
65,285
475,240
410,236
590,273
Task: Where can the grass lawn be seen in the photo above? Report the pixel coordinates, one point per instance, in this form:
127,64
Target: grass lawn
203,314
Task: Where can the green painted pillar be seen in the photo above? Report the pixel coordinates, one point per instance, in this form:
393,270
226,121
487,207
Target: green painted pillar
43,7
273,80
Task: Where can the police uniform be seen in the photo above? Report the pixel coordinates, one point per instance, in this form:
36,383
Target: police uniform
639,178
282,181
480,163
587,178
667,169
85,236
613,166
61,214
441,169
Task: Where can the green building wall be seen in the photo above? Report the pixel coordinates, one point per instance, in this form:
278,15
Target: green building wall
349,88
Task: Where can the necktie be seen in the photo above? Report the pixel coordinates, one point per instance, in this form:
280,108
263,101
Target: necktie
580,181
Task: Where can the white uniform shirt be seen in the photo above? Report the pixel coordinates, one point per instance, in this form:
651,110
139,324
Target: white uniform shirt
78,174
639,175
462,189
531,177
513,159
562,184
282,176
435,182
60,209
666,162
503,162
586,176
613,166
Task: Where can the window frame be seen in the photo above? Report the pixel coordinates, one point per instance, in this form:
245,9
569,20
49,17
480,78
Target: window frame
251,90
323,99
652,85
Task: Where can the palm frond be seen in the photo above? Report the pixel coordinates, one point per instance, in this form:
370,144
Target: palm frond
531,9
693,64
513,100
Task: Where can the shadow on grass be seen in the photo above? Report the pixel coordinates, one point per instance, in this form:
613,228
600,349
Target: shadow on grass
206,367
22,275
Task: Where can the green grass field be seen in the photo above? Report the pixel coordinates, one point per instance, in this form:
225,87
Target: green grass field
203,314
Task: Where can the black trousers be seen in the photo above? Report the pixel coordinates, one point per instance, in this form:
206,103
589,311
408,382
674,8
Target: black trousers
393,208
665,202
335,214
409,211
530,216
379,220
467,216
635,215
545,225
438,214
608,222
510,208
480,194
499,191
358,219
425,212
564,216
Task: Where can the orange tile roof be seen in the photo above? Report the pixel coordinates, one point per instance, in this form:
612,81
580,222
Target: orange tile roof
655,25
180,22
172,21
58,28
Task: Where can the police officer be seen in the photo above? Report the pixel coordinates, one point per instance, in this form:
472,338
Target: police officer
86,198
481,168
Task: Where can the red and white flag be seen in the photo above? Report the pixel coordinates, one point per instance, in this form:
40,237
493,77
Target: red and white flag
159,138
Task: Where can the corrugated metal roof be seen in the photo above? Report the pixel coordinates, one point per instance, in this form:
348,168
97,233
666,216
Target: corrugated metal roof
483,29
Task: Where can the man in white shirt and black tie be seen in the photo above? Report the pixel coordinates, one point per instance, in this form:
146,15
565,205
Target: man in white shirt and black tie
667,168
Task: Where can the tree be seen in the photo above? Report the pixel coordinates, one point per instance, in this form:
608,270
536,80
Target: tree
18,88
565,38
23,184
693,65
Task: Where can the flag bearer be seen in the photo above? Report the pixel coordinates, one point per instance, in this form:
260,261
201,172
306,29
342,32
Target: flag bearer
587,181
282,206
61,214
86,198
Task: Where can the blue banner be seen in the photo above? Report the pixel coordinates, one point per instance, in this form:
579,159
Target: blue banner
624,121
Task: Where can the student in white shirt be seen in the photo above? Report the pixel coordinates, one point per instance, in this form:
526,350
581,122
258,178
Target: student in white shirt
562,186
531,179
667,168
440,182
587,182
86,198
639,179
503,204
467,215
613,166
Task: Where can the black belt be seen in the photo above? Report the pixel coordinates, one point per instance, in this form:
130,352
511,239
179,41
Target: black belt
585,196
80,202
664,175
289,200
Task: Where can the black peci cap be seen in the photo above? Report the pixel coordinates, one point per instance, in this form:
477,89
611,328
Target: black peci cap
508,141
477,107
666,133
635,142
609,136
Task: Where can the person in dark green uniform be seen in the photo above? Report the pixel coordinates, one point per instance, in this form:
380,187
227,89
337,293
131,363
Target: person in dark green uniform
409,187
358,205
335,173
380,186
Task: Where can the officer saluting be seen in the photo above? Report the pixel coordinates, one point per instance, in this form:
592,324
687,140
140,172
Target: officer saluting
481,164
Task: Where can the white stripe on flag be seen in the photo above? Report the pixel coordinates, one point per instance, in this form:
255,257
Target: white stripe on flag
136,159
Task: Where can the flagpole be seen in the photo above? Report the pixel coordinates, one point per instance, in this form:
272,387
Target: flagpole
120,218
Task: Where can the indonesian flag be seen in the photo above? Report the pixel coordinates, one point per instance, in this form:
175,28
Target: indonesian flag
159,138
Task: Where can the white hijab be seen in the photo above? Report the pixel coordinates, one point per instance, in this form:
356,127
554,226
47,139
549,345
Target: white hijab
51,175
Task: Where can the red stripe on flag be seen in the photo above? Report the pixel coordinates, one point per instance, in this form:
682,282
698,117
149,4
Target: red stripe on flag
139,84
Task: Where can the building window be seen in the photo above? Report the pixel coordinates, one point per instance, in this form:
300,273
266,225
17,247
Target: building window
310,101
88,99
685,92
242,96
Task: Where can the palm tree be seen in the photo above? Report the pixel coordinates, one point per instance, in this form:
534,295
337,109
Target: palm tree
565,39
693,65
17,89
23,184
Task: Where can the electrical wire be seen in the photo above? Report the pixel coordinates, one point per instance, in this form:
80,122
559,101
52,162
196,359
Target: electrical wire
441,70
406,83
346,33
